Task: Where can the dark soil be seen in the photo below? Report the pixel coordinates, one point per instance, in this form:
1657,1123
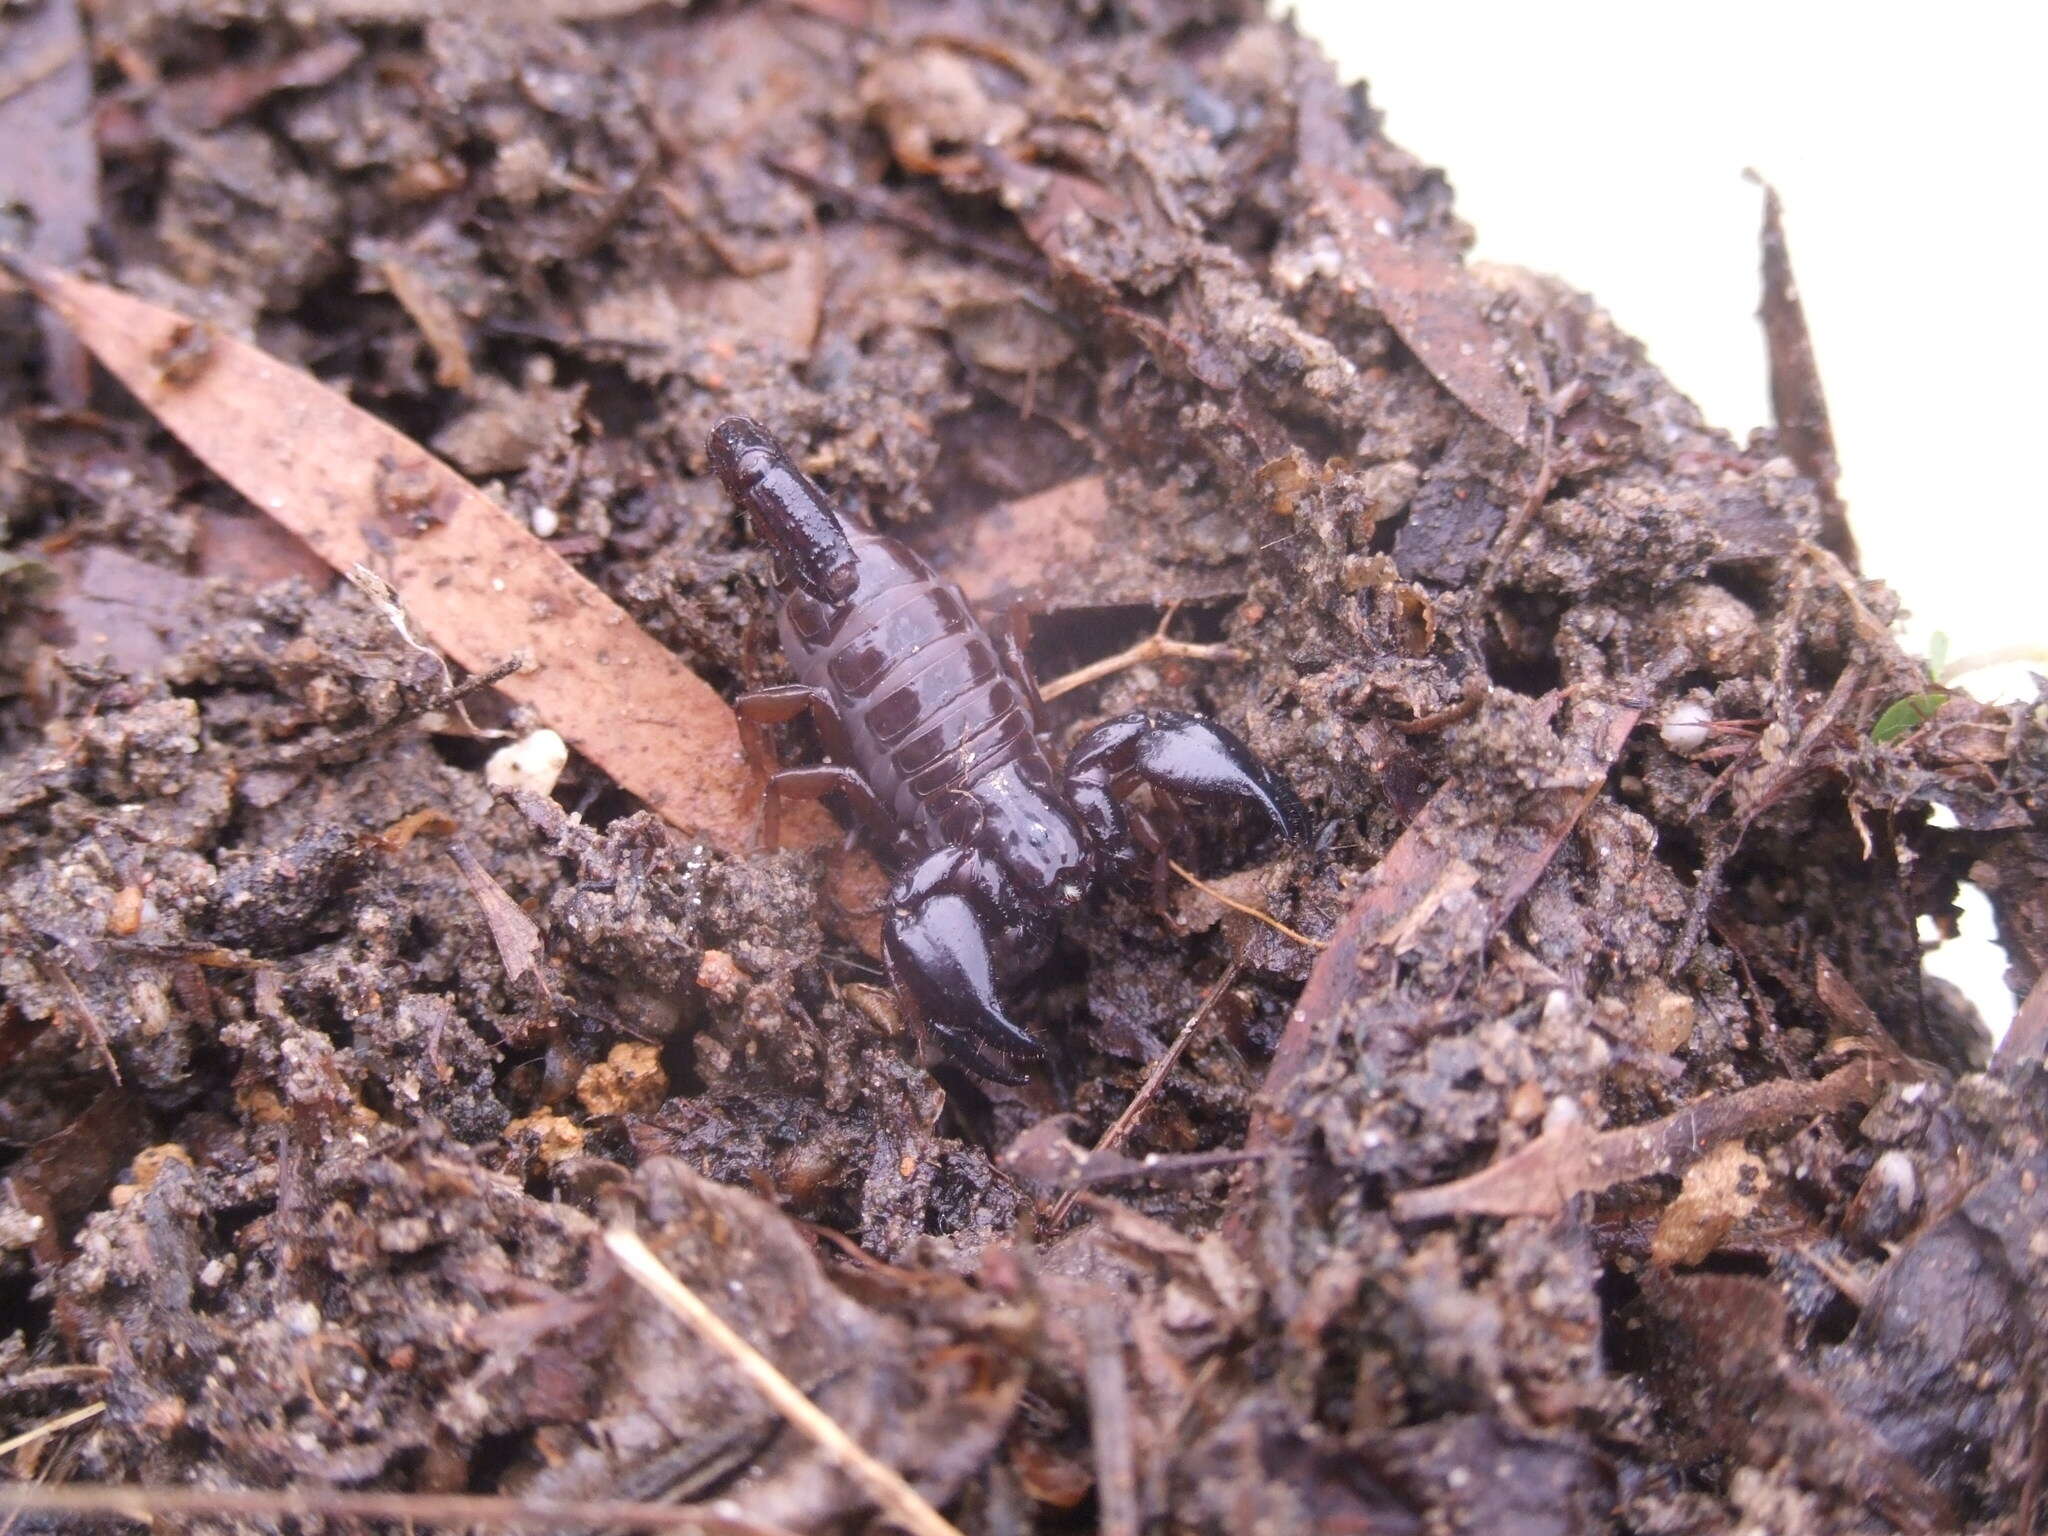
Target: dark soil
305,1185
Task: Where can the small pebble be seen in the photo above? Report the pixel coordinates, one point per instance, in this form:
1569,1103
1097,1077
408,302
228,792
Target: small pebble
533,762
1687,726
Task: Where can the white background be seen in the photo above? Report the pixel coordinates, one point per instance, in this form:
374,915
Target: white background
1606,142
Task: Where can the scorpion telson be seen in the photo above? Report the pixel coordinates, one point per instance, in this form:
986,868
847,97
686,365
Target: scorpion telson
932,730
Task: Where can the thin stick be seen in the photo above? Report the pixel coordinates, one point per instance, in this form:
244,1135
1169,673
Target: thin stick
144,1502
901,1502
1154,647
2003,656
51,1426
89,1023
1109,1423
453,693
873,203
1149,1090
1237,906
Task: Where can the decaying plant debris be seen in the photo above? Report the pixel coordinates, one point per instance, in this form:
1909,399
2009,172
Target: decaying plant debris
1611,1165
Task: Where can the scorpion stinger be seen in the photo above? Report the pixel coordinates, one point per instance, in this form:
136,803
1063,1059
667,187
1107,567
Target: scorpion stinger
790,512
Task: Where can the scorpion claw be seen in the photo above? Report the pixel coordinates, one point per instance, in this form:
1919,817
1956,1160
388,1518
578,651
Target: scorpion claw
939,958
1189,760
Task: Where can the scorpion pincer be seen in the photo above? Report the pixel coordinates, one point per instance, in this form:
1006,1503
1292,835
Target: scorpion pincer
932,731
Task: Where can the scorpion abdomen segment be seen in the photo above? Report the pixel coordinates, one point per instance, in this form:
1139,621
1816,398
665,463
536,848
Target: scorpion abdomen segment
927,705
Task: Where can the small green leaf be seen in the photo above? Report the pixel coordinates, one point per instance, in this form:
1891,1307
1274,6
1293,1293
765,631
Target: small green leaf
1937,654
1911,712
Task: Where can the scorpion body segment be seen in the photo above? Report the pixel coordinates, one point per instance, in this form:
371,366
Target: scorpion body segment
926,707
931,727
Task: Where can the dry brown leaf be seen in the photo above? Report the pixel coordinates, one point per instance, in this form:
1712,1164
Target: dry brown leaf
515,934
479,584
1798,402
1435,306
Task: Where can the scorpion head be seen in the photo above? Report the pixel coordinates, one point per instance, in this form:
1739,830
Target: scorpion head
1021,822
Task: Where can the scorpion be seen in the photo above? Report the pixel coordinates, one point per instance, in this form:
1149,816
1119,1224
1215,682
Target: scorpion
932,730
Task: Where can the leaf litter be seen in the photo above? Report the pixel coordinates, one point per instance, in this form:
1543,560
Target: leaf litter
1614,1165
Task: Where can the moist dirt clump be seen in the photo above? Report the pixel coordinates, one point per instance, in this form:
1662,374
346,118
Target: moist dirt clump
1566,1139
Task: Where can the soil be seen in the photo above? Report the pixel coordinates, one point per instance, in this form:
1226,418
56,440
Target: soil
1615,1166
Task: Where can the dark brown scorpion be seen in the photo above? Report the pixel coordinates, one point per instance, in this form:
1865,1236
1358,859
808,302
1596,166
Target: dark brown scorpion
932,728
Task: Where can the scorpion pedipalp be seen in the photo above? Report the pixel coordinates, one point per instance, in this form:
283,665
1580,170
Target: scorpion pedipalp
1191,761
953,924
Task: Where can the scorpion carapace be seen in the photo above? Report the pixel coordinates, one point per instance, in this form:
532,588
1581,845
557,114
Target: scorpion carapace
932,730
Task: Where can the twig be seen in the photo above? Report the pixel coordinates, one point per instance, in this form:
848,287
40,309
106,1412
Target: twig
1149,1090
1423,725
452,694
1836,1273
1540,486
50,1427
88,1022
1844,581
870,203
902,1503
1980,661
1109,1425
1154,647
1249,911
1570,1158
145,1502
1758,798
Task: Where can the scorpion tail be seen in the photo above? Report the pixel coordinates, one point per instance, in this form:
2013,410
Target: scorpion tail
790,513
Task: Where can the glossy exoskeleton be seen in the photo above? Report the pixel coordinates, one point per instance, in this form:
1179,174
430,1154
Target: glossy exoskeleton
931,725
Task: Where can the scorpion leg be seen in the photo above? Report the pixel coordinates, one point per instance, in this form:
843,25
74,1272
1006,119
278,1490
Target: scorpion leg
954,932
777,706
1187,761
774,706
815,783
